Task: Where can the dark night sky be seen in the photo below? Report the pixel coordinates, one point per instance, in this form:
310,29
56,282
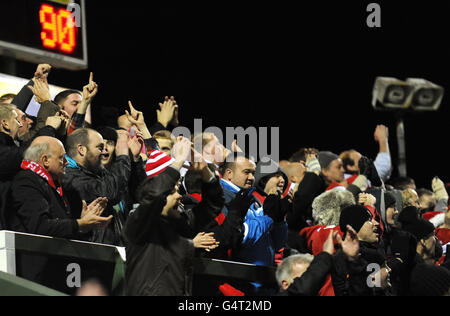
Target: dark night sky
308,69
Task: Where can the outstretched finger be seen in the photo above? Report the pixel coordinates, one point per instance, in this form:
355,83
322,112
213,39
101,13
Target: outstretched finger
131,106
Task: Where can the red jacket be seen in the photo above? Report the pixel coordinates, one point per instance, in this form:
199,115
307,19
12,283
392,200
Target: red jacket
443,234
316,237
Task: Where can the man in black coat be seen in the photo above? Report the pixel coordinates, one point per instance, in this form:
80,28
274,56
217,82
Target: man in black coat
159,258
39,205
368,273
10,154
15,138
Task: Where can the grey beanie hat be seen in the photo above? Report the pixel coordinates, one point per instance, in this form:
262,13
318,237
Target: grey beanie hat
325,158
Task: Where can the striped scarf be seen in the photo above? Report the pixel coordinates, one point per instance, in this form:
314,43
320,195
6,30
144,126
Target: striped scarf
43,173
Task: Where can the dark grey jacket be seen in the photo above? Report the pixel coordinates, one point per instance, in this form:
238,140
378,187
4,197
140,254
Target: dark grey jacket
80,184
159,260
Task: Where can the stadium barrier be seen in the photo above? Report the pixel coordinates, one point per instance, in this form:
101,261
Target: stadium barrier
64,258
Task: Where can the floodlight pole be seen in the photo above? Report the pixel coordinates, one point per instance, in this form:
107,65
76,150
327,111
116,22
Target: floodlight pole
402,170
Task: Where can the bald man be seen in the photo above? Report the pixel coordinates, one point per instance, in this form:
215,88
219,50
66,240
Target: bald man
40,207
295,171
38,202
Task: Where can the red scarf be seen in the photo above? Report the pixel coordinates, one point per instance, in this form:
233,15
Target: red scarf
40,171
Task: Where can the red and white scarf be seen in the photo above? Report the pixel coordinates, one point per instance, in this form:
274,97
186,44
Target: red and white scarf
40,171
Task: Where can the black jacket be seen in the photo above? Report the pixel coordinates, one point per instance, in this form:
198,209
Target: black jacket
311,186
80,184
38,209
23,98
300,213
310,283
202,215
159,260
11,157
350,278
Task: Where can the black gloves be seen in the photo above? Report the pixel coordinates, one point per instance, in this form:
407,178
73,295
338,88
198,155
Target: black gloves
368,169
242,202
276,208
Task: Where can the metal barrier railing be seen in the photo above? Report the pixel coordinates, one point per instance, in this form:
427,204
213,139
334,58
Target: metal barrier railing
11,285
13,244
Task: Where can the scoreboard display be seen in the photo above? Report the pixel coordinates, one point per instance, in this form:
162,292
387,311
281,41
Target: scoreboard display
47,31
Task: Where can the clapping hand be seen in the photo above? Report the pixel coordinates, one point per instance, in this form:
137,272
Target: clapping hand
91,216
168,112
205,241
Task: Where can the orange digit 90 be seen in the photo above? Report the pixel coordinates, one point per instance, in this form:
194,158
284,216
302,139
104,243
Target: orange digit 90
47,17
66,31
58,29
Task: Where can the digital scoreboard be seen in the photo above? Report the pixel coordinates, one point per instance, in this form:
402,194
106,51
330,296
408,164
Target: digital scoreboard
44,31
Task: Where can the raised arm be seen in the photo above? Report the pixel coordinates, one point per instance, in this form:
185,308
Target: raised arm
24,97
89,92
383,161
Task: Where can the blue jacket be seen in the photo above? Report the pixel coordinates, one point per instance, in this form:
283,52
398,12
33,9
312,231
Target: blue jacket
262,237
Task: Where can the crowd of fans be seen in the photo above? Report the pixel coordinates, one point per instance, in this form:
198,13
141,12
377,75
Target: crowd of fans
332,224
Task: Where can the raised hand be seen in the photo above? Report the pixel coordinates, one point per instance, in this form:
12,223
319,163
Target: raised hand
166,113
181,151
175,122
381,133
40,90
439,190
328,246
122,148
90,90
42,72
134,116
137,118
367,199
135,145
199,164
350,246
235,148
